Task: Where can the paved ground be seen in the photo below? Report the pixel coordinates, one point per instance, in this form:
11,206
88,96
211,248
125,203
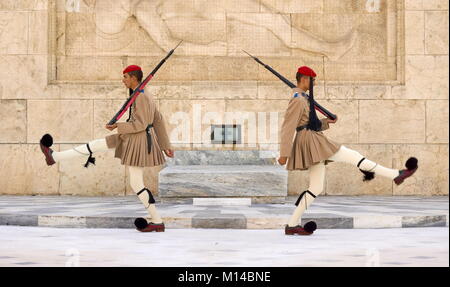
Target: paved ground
40,246
328,211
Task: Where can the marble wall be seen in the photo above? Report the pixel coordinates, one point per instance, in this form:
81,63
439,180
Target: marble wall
382,68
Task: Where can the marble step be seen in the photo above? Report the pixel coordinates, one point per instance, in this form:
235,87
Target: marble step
221,201
223,181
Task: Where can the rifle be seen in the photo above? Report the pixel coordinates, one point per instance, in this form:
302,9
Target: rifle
139,88
317,106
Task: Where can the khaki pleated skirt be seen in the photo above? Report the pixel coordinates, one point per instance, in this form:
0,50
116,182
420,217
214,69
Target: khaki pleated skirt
132,149
309,148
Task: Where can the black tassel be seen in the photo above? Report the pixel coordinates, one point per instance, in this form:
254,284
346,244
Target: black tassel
151,199
90,160
314,123
368,175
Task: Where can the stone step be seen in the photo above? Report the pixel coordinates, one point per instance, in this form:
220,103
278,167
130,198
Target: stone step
223,181
253,199
220,201
327,211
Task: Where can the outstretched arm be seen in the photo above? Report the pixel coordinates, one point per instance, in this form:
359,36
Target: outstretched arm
140,123
326,123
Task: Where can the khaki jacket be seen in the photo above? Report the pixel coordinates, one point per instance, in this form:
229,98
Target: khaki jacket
130,142
306,147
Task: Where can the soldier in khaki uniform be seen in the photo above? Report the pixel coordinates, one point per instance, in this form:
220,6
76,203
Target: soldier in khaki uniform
139,142
304,146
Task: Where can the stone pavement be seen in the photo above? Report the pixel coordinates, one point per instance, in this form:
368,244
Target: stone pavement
43,246
330,212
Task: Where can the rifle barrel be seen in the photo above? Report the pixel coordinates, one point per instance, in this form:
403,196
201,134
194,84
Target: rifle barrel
318,107
137,91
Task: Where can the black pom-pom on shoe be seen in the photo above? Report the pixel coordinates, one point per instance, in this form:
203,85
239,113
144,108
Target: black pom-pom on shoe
310,226
140,223
47,140
45,143
411,163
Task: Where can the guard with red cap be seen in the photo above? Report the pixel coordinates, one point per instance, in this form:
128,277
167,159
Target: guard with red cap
140,142
303,146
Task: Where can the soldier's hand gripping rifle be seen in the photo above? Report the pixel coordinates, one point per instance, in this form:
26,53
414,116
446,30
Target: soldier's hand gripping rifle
139,88
318,107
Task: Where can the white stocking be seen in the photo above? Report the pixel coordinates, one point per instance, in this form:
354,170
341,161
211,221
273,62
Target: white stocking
81,151
316,182
137,184
317,177
353,157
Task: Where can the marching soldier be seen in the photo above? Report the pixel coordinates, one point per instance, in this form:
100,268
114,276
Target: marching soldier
139,142
304,146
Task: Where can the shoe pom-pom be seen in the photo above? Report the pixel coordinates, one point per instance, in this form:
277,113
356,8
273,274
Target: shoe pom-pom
47,140
310,226
411,163
140,223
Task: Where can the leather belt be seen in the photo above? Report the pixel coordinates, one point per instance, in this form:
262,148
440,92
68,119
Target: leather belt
301,128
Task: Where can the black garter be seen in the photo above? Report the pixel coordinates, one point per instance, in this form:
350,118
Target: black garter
91,159
151,199
301,196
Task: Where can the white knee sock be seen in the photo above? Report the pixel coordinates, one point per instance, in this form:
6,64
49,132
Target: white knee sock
316,181
137,184
81,151
353,157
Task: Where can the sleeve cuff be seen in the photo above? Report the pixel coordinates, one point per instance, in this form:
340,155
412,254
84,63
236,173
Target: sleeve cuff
325,124
285,154
121,128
